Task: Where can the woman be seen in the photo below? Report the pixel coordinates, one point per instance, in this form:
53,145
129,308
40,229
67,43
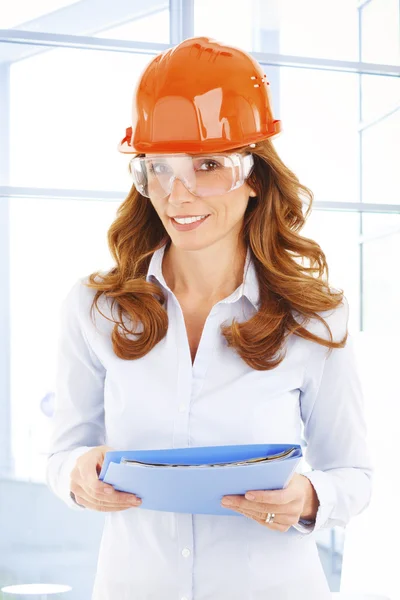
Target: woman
211,332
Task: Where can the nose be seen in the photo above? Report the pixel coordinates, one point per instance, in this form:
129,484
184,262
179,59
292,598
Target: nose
180,193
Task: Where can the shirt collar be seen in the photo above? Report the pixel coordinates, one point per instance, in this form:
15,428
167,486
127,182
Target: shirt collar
248,288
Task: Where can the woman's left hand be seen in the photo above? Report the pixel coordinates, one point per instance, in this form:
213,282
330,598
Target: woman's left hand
298,501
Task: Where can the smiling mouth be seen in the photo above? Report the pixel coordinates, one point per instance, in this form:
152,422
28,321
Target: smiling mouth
190,221
187,216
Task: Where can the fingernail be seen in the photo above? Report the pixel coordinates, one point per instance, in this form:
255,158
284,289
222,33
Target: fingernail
226,502
107,490
136,502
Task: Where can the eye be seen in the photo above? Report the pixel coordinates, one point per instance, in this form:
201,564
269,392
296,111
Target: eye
159,168
209,164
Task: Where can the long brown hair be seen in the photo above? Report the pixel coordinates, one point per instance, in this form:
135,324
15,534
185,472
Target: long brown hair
271,226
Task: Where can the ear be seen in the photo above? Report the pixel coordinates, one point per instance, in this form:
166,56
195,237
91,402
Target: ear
253,193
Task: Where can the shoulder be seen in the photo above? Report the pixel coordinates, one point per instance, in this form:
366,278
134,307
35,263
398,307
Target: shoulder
78,292
336,318
80,296
79,311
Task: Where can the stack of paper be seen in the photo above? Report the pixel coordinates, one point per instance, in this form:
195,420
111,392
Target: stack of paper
260,459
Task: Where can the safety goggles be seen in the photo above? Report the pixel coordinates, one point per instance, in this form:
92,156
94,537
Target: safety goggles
202,175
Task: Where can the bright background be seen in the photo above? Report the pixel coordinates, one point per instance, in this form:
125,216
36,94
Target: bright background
67,74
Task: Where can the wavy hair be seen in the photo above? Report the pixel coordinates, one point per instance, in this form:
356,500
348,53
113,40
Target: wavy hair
271,228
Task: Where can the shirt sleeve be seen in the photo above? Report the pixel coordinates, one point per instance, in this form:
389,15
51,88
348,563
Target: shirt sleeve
77,424
332,411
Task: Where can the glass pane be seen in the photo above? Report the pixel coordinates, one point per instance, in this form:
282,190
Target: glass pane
69,111
68,240
380,157
15,14
152,27
380,32
381,296
326,228
380,95
307,28
363,568
380,223
319,138
133,20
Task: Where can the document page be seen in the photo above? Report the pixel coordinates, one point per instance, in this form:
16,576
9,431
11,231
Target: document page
272,457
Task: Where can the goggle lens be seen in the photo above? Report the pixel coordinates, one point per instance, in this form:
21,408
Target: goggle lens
204,175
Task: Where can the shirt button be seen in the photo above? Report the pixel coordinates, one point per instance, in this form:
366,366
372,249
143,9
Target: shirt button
185,553
182,408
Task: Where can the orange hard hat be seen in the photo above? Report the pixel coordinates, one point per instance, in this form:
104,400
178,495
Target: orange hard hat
197,97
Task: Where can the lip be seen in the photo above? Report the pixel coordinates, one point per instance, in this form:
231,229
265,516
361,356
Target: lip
187,226
185,216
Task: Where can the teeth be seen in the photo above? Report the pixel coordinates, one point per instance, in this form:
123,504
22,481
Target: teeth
189,219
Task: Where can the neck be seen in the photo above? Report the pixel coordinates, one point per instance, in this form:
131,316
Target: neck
206,275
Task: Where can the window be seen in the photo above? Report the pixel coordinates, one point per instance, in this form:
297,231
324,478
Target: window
135,20
65,131
52,243
380,32
380,147
65,103
289,27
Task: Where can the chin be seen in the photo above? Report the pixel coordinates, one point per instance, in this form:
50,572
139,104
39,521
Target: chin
189,244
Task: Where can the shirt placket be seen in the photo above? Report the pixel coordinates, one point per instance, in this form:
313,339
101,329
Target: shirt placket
189,380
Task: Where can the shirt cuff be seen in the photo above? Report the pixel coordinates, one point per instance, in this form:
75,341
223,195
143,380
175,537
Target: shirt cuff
327,497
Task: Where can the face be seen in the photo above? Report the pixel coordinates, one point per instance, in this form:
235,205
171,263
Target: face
224,214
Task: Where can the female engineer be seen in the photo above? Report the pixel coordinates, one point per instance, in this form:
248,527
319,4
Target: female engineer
216,326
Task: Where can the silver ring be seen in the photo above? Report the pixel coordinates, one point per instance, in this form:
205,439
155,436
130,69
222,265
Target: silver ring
270,518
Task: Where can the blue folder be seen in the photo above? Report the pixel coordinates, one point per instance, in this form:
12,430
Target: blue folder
192,486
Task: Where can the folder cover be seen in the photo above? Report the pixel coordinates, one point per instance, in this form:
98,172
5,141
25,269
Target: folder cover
194,479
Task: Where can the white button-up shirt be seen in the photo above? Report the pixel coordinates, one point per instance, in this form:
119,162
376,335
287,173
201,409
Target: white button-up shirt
163,401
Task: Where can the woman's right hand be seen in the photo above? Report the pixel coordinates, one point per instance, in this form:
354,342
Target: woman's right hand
89,490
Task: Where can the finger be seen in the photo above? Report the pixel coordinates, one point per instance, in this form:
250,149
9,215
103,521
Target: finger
281,519
244,504
95,488
90,480
278,509
100,507
117,497
275,525
114,499
274,496
83,498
